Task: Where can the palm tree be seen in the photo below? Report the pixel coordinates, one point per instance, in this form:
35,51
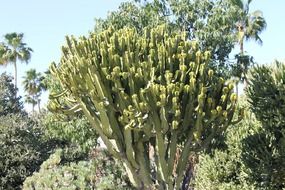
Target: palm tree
12,50
248,27
30,100
33,86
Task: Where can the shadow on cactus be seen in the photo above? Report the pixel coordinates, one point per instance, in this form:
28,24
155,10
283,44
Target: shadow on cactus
150,97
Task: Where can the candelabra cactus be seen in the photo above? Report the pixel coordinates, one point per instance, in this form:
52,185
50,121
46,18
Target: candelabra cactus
138,92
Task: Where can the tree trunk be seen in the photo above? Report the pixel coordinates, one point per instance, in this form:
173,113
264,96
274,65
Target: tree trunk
241,48
190,173
241,37
39,105
237,88
15,75
33,108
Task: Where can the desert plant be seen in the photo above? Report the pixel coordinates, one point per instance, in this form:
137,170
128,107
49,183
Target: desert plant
144,91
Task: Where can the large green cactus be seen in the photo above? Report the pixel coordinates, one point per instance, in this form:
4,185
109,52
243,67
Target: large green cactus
144,92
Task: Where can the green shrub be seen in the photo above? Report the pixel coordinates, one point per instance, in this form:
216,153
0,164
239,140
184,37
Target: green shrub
74,131
9,102
21,150
255,149
101,173
223,169
267,100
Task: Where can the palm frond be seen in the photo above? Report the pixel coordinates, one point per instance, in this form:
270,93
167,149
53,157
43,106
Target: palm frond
14,39
25,54
3,50
238,3
14,49
33,83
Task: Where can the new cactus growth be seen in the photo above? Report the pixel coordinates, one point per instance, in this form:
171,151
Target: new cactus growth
143,92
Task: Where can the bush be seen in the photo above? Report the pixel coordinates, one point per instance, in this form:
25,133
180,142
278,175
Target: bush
74,131
255,153
224,169
266,95
21,150
9,102
102,173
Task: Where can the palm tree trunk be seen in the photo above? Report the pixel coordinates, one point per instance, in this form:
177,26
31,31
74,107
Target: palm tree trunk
39,105
241,32
15,75
245,83
241,48
237,88
33,108
241,37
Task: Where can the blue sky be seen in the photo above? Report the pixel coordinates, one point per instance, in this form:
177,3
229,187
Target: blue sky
46,23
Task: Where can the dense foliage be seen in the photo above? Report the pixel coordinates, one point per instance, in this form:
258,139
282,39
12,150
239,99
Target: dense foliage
22,150
74,131
100,172
254,157
217,24
266,97
26,142
9,102
223,168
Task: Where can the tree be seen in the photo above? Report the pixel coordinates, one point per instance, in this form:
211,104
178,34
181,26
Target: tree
75,131
212,23
248,27
14,49
9,103
130,14
143,92
34,86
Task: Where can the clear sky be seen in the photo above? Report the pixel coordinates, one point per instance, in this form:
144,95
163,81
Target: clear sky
46,23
